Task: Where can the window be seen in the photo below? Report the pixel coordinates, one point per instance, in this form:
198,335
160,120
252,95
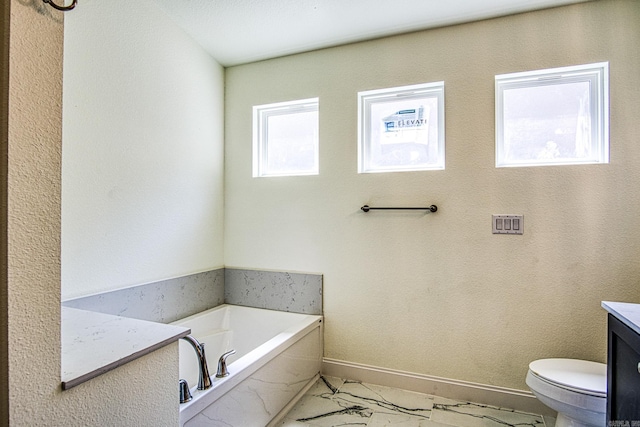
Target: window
401,129
557,116
285,138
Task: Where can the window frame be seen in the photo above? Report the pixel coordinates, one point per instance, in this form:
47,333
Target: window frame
261,115
367,98
597,74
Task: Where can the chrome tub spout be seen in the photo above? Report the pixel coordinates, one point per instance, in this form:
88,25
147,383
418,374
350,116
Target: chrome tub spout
204,382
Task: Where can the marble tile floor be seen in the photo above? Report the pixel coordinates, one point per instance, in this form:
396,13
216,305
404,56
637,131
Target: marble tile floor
333,402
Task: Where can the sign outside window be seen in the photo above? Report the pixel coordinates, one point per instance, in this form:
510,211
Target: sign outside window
401,129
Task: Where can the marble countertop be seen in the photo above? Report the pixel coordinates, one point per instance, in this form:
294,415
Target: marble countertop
627,313
95,343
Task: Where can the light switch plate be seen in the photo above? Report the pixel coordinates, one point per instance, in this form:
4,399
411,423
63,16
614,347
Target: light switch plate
508,224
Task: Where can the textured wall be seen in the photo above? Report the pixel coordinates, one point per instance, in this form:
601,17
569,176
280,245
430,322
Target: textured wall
4,115
33,281
142,165
439,294
33,227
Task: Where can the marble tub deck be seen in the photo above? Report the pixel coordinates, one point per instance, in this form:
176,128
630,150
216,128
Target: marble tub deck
336,402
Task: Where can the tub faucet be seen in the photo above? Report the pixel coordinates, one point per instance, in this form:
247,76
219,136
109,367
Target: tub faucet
204,382
222,364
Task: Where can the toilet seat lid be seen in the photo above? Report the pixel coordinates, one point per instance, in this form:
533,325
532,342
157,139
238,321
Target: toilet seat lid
582,375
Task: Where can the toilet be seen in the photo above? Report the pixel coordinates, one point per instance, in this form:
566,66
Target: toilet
576,389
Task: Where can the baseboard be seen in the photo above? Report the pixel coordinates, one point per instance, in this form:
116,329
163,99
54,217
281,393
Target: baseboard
519,400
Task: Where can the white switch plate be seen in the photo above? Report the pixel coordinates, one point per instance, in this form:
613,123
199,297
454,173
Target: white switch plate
508,224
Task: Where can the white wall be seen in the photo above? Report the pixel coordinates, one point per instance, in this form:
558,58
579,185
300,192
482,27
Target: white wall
142,166
439,294
140,393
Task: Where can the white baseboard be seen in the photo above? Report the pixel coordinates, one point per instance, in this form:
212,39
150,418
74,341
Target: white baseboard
519,400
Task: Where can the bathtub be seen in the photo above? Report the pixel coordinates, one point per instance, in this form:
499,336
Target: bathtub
278,356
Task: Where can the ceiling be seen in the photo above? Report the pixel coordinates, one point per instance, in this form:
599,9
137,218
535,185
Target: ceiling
240,31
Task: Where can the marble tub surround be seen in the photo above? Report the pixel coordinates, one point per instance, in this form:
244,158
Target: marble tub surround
106,330
164,301
336,402
274,290
95,343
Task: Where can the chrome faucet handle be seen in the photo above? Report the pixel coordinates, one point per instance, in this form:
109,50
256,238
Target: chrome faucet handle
185,393
222,364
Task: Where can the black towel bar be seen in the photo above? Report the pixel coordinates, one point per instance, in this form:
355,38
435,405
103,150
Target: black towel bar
432,208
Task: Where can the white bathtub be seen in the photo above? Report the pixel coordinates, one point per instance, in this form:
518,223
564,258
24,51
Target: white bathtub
278,354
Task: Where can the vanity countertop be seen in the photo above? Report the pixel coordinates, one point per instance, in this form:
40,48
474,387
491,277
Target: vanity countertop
627,313
94,343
